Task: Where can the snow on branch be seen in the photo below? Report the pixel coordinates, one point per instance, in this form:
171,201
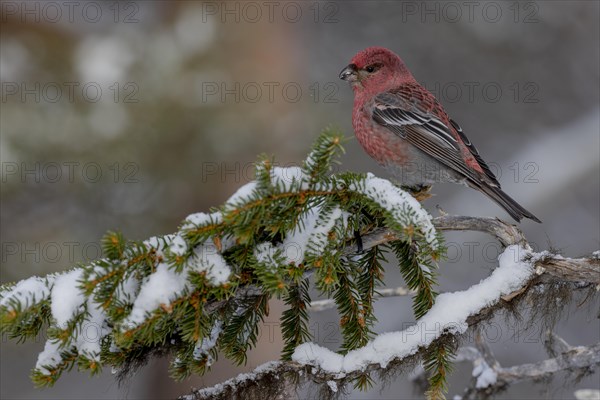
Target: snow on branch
448,316
549,267
519,269
554,266
203,291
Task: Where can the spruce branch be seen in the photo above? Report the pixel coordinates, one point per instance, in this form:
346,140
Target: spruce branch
580,273
205,289
294,321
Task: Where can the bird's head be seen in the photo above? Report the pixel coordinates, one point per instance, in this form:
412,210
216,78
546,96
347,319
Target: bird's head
375,69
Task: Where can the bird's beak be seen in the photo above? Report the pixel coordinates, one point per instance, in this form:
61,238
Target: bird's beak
350,73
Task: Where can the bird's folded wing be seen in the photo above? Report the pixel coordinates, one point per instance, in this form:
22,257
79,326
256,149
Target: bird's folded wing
428,133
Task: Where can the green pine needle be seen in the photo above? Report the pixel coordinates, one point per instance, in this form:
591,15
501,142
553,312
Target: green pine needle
184,324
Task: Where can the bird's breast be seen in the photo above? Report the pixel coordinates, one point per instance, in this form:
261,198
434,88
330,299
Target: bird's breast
379,142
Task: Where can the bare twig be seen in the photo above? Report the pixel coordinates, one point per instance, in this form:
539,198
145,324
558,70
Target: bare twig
485,351
555,344
327,304
581,359
577,358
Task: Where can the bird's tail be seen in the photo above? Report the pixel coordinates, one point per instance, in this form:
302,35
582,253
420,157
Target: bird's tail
505,201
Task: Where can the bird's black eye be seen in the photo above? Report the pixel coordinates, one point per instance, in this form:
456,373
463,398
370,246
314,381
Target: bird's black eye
372,68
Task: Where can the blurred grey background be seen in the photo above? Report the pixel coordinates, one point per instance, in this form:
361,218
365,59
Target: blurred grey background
132,115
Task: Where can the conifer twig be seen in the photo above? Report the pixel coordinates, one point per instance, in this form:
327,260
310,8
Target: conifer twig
204,290
585,269
549,268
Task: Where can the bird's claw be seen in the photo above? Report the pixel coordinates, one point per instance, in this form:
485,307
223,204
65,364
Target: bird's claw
420,192
442,212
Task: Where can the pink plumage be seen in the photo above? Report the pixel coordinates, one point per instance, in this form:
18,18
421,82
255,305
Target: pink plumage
405,129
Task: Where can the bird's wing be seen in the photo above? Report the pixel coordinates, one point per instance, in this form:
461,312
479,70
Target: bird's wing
410,117
475,153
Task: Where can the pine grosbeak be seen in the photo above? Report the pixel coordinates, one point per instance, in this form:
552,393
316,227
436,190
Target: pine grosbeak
405,129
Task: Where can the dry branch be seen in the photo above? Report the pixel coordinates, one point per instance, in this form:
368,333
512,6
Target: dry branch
580,360
327,304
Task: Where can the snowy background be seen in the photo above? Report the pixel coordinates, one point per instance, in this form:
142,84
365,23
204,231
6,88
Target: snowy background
131,116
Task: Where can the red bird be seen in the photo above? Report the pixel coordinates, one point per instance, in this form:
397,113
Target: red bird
405,129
